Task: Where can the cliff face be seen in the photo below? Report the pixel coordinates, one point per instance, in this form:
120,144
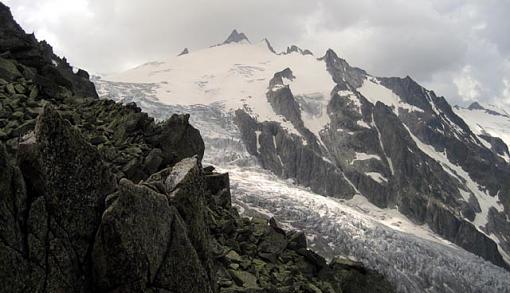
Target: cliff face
96,197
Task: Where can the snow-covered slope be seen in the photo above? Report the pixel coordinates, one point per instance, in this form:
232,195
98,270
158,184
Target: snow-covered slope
394,152
236,75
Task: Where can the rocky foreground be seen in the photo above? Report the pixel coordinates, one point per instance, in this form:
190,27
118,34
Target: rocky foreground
97,197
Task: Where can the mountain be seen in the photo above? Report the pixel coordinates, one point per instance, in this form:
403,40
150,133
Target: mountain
340,132
236,37
97,197
184,52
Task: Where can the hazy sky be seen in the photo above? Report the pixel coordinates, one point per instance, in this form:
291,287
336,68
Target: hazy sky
459,48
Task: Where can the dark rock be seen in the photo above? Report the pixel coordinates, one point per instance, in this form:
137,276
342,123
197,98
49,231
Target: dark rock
184,52
96,140
178,139
297,240
187,186
153,161
208,169
236,37
66,154
142,238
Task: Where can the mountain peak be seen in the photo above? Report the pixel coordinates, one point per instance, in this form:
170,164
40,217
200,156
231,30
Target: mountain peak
489,109
236,37
269,46
296,49
184,52
475,106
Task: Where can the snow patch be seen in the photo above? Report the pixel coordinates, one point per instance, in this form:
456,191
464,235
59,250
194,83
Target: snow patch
377,177
375,92
364,156
257,133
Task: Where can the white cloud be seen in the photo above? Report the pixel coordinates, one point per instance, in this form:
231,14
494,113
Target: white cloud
468,88
434,41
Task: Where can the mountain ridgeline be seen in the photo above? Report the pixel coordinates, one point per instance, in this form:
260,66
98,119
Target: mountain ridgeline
97,197
342,132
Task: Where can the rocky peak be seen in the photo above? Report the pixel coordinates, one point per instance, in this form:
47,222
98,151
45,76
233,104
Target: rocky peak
184,52
475,106
341,71
236,37
269,46
296,49
490,109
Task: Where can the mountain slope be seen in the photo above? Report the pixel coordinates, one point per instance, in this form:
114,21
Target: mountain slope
342,132
411,256
491,124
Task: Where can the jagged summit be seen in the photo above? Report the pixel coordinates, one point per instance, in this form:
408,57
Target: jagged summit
475,106
488,108
236,37
296,49
184,52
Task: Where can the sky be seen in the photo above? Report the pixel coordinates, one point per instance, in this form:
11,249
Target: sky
458,48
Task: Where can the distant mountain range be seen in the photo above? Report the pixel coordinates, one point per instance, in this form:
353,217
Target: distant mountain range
338,131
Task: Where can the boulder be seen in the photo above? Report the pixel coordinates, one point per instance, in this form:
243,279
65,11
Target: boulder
142,238
64,153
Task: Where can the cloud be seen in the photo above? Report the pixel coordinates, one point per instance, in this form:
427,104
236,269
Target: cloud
459,48
467,87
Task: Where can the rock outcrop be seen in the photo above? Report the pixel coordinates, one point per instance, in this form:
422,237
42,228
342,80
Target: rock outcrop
103,199
236,37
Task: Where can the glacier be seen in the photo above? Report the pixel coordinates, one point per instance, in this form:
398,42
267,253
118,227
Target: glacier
409,255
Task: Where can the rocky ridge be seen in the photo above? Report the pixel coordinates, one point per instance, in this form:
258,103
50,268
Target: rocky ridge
106,200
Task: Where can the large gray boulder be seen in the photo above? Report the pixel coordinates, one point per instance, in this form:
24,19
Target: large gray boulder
76,180
143,242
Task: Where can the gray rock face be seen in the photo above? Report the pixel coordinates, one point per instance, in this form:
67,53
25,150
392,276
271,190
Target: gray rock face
286,156
141,233
65,154
178,139
341,71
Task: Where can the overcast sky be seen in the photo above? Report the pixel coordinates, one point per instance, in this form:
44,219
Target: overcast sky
458,48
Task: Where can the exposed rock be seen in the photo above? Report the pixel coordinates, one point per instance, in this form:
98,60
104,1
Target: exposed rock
236,37
184,52
178,139
269,46
296,49
64,153
28,52
142,239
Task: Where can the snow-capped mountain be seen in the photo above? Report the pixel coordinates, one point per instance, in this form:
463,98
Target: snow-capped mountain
396,160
